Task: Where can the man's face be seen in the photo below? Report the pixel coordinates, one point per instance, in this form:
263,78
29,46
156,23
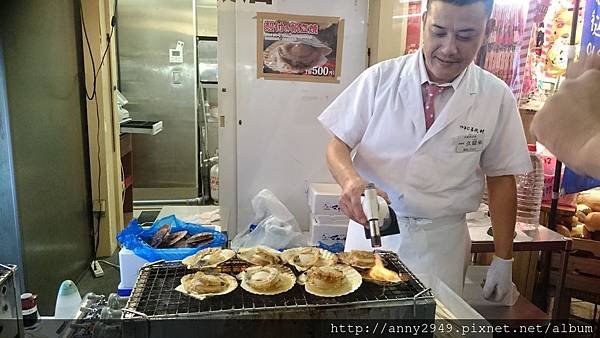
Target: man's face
452,36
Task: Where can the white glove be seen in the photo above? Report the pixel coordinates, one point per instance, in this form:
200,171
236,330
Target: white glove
498,284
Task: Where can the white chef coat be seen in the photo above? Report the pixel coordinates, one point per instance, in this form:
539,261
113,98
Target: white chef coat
442,98
428,174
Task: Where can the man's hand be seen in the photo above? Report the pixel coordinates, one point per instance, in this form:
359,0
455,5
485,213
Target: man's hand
350,202
569,123
353,186
498,284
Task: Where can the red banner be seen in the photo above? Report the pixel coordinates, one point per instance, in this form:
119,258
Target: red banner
413,27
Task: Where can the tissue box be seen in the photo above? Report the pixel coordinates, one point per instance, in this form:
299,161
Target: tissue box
129,266
328,234
323,199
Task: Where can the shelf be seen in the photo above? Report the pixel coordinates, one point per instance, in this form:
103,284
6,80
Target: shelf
142,127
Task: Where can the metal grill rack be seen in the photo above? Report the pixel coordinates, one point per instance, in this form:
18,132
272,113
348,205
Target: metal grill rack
154,296
10,302
5,271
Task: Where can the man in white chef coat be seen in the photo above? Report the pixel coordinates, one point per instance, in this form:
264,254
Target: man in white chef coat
427,128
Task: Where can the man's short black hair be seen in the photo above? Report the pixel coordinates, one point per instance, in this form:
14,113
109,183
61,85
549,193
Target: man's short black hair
489,4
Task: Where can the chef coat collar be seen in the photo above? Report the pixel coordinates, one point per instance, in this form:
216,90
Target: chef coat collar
424,77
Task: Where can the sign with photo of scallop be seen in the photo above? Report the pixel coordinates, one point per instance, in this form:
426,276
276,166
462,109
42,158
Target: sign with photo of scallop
299,48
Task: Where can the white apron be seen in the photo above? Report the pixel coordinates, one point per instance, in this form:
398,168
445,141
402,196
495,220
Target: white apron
440,247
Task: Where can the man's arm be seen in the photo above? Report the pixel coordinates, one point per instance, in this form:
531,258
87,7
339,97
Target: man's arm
502,197
569,123
340,165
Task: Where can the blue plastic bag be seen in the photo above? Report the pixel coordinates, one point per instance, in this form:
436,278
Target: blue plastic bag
335,248
133,238
573,183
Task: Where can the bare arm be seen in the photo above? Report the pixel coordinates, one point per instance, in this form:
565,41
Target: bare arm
569,123
502,195
340,165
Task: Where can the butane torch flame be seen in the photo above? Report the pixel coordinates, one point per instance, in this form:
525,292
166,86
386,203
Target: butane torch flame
380,273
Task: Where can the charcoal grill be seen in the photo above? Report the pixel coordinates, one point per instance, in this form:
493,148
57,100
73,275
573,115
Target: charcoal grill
154,299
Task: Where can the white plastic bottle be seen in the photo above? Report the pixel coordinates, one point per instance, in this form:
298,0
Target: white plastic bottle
530,188
68,301
214,182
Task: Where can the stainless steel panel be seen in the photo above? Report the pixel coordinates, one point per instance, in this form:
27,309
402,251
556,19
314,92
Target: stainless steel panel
207,60
167,162
10,234
49,139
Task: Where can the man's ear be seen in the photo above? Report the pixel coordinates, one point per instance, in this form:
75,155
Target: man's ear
491,24
423,20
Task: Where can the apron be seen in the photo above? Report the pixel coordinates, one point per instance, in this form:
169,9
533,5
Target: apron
440,247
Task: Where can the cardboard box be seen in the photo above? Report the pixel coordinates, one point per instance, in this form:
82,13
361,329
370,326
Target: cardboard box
324,198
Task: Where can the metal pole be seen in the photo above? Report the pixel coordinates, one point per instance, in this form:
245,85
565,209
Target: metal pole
149,203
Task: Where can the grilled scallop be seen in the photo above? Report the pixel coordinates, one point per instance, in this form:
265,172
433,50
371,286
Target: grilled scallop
305,258
381,275
208,258
267,280
259,255
201,285
331,281
296,57
358,259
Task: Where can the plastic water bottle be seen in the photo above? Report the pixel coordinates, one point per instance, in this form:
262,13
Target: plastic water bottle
67,301
530,188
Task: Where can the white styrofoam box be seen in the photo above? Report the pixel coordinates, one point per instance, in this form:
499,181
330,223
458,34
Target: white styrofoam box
332,219
324,198
129,265
328,234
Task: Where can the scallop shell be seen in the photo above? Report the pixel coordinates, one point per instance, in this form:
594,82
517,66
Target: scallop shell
173,238
350,259
198,260
160,235
232,285
273,60
325,258
246,254
287,279
352,281
404,277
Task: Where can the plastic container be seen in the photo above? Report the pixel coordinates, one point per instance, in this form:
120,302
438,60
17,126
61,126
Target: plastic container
530,188
67,301
29,309
129,266
214,182
549,160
